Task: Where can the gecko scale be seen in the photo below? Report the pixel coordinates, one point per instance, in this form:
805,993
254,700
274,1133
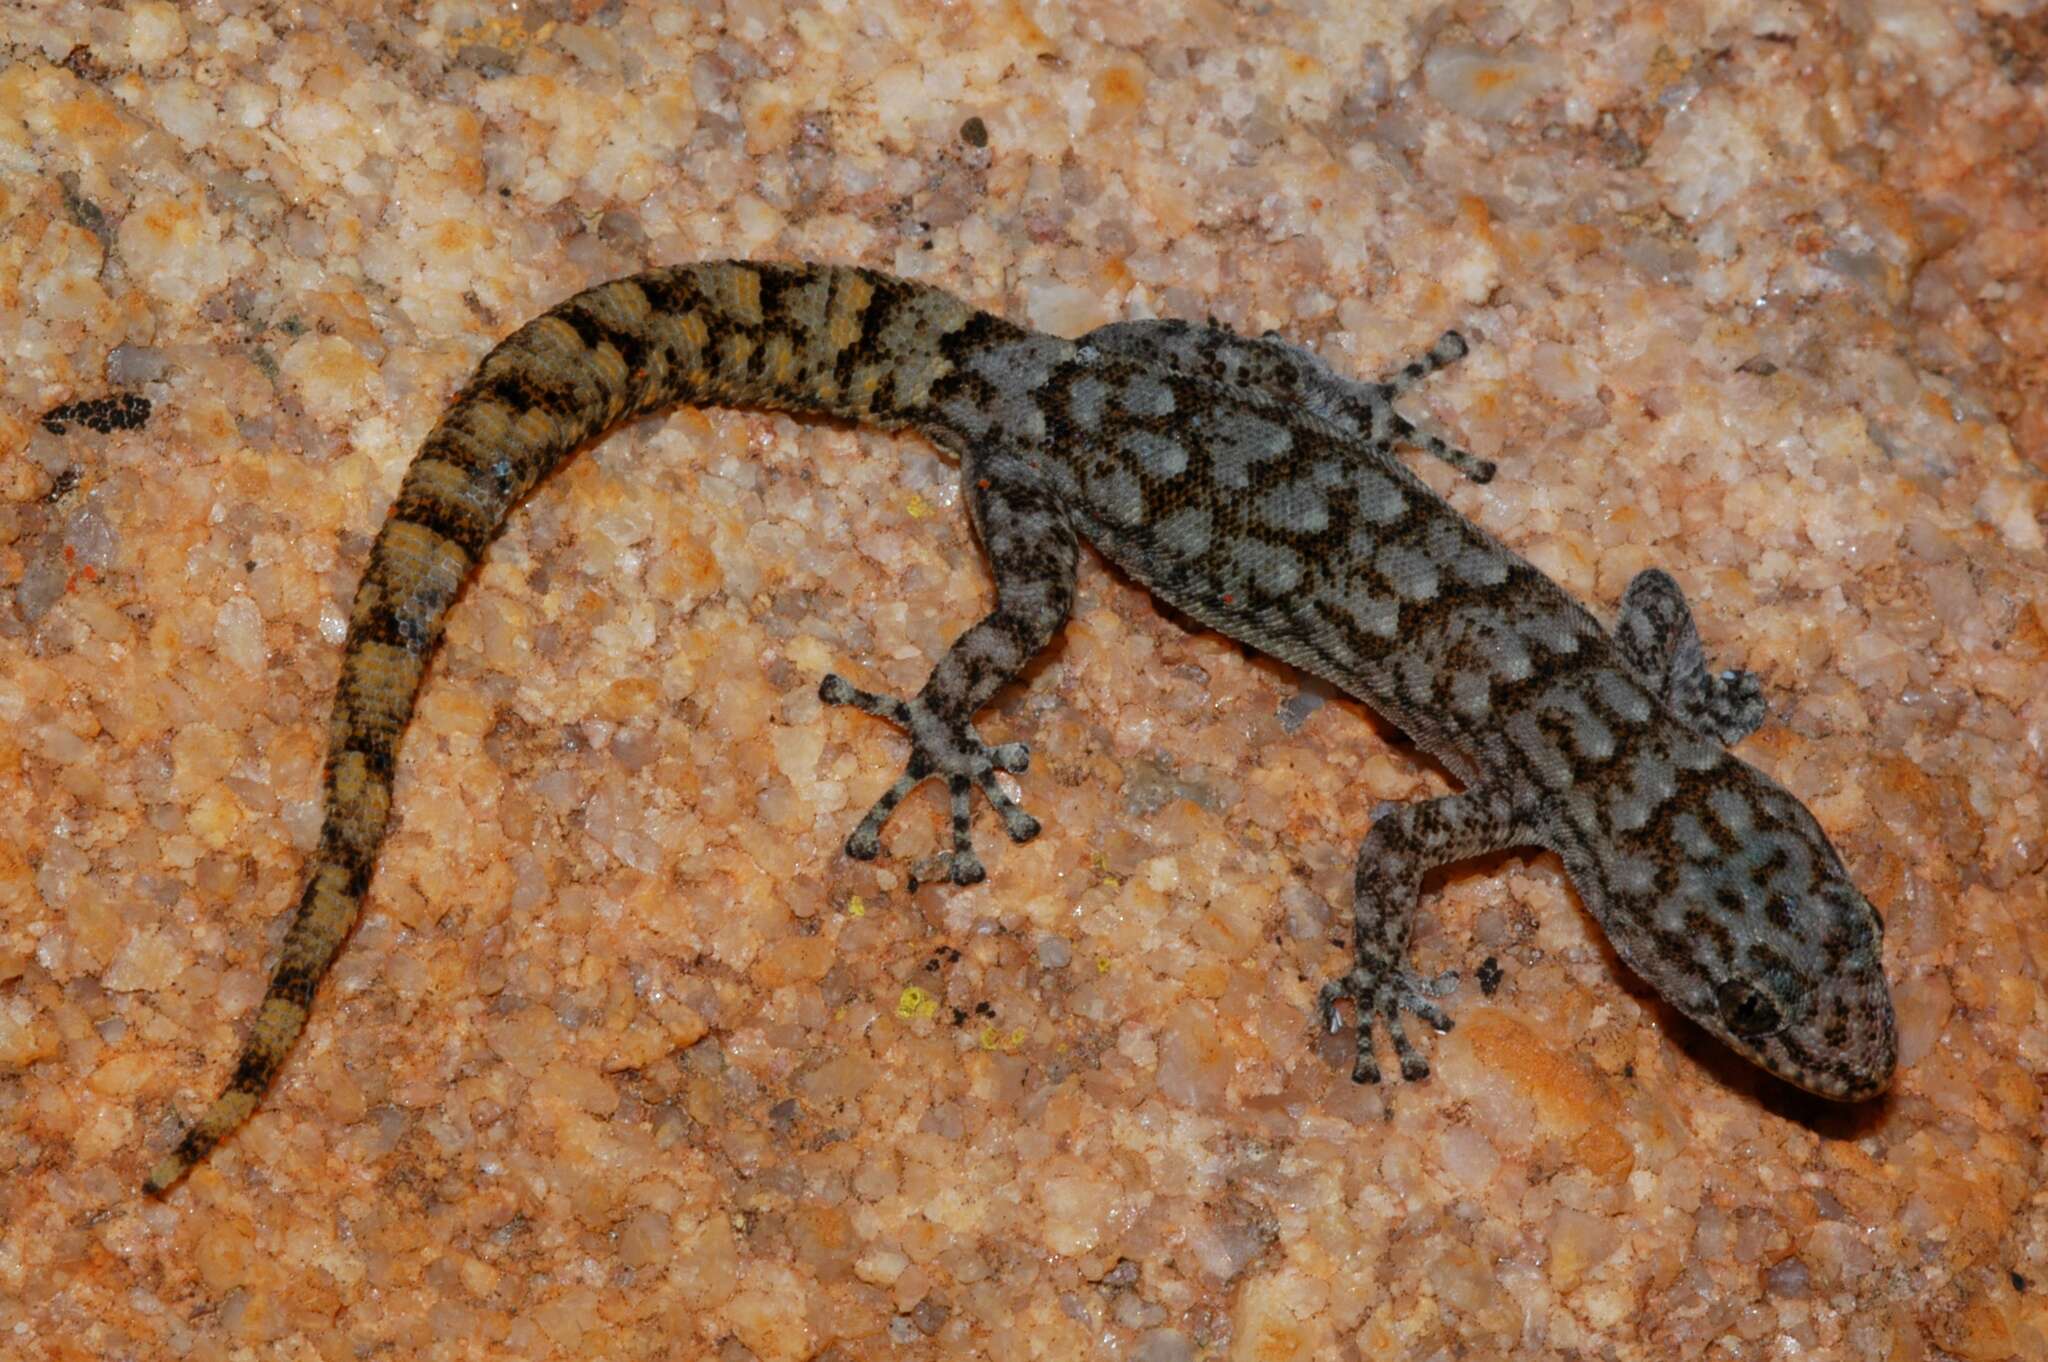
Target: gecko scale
1246,484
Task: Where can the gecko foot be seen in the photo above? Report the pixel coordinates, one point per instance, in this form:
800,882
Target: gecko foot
1381,995
942,749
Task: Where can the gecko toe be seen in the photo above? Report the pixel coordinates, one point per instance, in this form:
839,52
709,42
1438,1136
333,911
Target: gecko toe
1014,757
1414,1068
1021,826
948,867
1379,996
1431,1013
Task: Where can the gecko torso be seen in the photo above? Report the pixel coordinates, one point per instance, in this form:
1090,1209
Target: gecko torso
1244,483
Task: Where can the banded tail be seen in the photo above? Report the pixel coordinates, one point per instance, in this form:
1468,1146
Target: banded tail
804,338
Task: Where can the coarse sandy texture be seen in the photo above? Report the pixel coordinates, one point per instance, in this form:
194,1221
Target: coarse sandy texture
626,1059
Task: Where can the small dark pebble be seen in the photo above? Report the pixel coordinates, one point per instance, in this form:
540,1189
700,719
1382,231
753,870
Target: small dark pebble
1490,974
974,132
103,414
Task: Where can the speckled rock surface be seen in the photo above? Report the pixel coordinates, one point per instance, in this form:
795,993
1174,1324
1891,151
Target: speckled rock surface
627,1060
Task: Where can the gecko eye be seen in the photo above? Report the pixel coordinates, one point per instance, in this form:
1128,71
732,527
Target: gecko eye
1746,1011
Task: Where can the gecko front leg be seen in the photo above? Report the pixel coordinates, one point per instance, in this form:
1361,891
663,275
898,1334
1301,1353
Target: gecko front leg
1657,637
1406,841
1032,549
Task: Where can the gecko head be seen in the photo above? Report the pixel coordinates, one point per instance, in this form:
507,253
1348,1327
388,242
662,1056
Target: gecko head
1820,1017
1755,931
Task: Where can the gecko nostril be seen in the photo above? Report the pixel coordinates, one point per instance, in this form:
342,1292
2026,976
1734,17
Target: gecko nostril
1747,1010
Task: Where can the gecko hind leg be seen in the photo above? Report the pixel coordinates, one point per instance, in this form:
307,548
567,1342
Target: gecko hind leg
1450,347
1033,550
1407,840
1471,465
1368,408
1271,363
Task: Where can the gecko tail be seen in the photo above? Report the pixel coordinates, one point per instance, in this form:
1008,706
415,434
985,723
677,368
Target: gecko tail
327,910
259,1065
804,338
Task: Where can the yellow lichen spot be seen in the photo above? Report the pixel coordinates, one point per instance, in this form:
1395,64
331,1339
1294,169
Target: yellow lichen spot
917,508
856,906
1102,964
993,1039
913,1004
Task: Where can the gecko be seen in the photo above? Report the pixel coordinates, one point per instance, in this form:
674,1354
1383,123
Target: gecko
1246,483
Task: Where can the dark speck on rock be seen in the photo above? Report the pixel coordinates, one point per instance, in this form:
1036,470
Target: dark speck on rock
1489,975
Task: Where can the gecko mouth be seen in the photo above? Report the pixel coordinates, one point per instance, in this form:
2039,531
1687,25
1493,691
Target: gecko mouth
1828,1068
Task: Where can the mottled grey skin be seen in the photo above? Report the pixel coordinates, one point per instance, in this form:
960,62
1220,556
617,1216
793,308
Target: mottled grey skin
1251,487
1248,485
